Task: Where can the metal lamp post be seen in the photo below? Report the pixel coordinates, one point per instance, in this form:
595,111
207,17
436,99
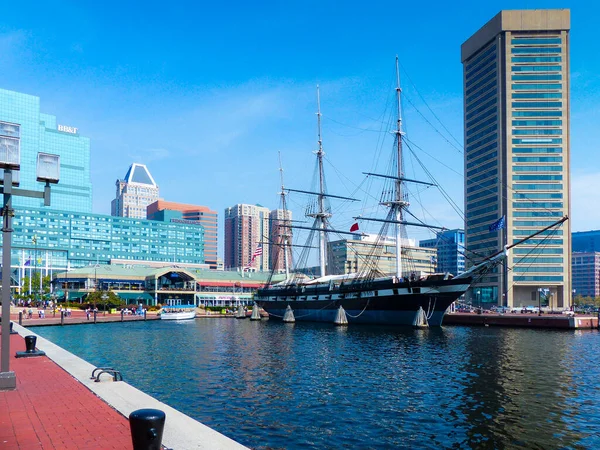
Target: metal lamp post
104,298
48,169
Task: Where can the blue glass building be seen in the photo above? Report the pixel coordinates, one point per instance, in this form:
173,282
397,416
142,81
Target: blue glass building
450,245
66,234
586,241
40,132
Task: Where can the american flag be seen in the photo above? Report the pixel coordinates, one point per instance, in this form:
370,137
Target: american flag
257,252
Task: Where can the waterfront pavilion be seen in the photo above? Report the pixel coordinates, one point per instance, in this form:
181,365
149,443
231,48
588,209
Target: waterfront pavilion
153,286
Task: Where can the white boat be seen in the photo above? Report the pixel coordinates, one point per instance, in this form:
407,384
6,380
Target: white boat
174,310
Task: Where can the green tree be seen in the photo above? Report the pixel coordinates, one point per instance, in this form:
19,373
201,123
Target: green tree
96,298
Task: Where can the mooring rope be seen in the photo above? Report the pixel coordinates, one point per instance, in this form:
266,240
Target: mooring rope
360,314
429,309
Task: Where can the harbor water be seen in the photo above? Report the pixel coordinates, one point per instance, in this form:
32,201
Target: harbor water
271,385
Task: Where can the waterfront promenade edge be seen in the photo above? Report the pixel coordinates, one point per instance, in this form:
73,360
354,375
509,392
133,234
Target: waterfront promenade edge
31,418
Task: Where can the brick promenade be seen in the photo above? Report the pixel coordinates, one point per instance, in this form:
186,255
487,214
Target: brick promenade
51,410
77,317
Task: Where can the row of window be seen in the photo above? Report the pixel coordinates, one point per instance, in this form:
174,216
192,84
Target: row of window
537,177
483,167
536,68
491,155
484,66
536,123
535,59
537,214
540,205
490,120
537,250
532,223
536,86
535,41
490,184
537,113
537,104
537,132
537,269
536,187
537,150
483,176
537,259
477,107
485,245
485,219
492,139
474,64
534,50
536,95
537,278
540,159
537,168
542,77
537,140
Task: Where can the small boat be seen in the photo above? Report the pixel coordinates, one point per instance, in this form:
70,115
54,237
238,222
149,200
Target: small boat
174,310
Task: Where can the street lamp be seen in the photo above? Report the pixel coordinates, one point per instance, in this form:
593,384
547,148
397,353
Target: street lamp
104,298
47,171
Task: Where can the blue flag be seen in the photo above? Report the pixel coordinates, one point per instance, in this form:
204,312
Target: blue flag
498,224
28,262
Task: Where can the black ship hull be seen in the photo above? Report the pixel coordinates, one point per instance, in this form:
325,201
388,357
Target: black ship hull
383,301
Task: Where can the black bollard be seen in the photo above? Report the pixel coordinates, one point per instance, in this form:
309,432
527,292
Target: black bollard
62,317
30,350
20,317
144,314
94,316
122,312
147,428
30,343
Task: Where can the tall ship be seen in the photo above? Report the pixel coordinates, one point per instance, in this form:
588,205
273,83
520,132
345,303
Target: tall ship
368,295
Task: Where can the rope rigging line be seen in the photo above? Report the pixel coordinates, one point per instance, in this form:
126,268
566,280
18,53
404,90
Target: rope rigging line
427,105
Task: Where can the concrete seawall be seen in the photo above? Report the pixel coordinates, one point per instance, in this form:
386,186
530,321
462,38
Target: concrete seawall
562,322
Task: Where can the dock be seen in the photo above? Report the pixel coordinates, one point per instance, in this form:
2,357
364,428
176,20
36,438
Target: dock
528,320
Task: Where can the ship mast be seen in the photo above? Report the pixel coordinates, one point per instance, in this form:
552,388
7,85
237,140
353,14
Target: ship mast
399,203
321,216
285,229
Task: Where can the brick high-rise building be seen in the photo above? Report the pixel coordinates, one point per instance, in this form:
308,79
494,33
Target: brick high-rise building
280,237
246,231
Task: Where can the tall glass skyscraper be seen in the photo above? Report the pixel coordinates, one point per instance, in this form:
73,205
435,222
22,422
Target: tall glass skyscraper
40,132
516,114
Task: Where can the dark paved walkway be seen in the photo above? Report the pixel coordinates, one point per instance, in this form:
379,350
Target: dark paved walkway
49,409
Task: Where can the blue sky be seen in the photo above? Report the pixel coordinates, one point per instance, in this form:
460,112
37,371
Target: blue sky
207,94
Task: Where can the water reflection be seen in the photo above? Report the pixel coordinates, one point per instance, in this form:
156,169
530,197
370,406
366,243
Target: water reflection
275,385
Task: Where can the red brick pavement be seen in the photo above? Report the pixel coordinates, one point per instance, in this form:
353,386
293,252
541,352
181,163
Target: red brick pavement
49,409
